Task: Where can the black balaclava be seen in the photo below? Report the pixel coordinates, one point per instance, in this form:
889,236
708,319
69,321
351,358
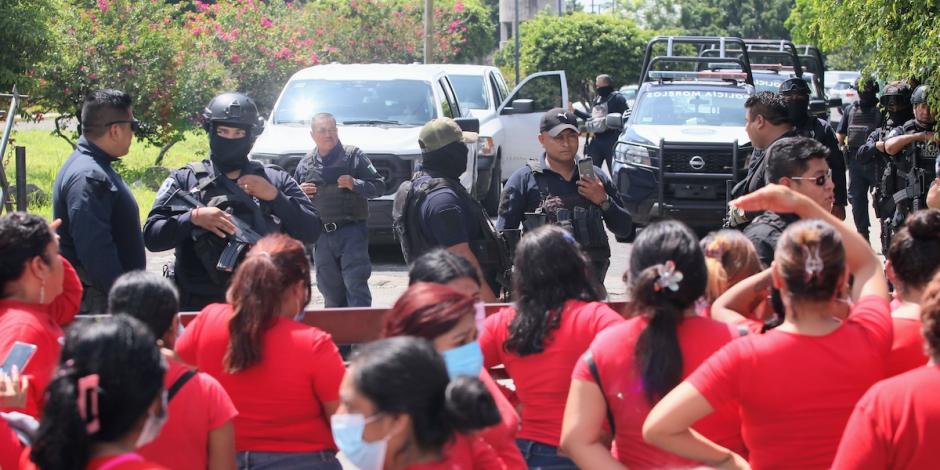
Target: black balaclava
798,109
449,161
605,91
229,154
867,98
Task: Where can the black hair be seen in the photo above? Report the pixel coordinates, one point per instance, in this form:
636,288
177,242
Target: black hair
790,156
769,105
22,237
440,267
102,107
130,368
550,269
148,297
657,353
800,246
915,249
405,375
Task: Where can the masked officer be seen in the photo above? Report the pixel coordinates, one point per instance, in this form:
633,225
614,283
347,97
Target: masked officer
434,210
601,145
859,120
340,179
553,190
795,91
913,149
263,197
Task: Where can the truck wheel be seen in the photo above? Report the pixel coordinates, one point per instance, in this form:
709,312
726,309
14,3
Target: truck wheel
491,202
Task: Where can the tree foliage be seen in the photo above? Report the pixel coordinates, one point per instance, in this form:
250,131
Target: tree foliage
900,37
24,37
742,18
581,44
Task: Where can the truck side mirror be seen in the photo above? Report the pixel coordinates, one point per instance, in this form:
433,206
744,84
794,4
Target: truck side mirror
521,106
818,106
468,124
614,121
835,103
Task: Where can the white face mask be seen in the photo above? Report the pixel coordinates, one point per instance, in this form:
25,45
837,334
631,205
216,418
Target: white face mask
153,425
347,433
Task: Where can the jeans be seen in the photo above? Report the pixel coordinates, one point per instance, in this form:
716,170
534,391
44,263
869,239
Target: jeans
323,460
343,267
861,180
540,456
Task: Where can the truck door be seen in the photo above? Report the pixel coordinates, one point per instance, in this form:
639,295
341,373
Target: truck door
533,96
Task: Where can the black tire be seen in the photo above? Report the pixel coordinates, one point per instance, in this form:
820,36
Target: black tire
491,201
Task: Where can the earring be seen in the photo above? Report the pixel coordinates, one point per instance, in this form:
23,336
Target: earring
42,292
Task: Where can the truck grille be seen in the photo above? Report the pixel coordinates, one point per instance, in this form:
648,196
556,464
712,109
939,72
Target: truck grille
716,161
395,170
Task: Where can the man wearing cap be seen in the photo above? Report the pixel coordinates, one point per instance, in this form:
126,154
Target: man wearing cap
551,189
437,211
795,91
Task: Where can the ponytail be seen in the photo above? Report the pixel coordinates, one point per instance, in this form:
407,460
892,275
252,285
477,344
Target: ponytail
469,406
64,445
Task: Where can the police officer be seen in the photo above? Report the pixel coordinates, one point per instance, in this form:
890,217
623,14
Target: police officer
100,231
553,190
601,146
264,197
914,148
859,120
795,91
436,211
340,179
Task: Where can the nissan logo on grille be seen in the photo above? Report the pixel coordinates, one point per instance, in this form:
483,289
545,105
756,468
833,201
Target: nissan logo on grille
697,163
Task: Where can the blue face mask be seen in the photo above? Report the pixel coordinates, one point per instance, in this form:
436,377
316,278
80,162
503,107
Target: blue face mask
347,433
464,360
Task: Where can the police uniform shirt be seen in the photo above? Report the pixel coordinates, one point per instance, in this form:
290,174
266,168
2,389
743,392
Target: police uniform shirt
446,217
821,131
100,230
928,152
366,180
521,194
765,230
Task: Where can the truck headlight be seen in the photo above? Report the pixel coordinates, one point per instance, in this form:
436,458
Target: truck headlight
486,146
633,154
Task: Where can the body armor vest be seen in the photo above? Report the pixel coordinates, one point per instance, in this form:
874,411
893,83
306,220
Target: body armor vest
861,124
335,204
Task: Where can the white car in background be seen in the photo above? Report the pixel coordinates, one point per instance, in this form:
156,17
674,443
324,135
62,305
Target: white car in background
509,120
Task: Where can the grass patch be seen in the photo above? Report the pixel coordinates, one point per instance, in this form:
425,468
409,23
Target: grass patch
46,152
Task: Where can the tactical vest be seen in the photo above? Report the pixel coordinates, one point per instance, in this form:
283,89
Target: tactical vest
922,154
573,212
861,124
490,250
335,204
598,121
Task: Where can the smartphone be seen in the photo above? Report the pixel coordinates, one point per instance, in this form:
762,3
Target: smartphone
586,167
18,356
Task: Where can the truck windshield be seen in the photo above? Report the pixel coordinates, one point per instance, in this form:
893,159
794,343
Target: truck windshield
690,108
470,91
771,82
374,102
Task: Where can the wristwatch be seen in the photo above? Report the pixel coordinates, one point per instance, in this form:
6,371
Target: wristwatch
605,205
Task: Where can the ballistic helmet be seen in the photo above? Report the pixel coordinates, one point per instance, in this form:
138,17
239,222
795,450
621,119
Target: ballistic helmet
920,94
794,86
235,110
897,93
866,85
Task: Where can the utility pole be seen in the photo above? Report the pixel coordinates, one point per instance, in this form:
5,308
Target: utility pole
515,34
428,30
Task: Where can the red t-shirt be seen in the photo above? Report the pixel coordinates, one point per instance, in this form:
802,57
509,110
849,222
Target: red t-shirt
542,380
40,325
502,437
796,392
131,461
200,406
464,453
10,447
280,399
907,352
613,352
896,425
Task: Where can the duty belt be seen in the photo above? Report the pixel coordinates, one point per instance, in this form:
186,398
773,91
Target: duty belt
331,227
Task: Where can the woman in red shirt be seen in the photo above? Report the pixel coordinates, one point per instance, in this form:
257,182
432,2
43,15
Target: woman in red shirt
199,433
796,384
913,259
637,362
282,375
731,258
106,400
448,319
556,315
896,425
400,410
39,293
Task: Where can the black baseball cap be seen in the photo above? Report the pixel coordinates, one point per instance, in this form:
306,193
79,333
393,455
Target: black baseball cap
794,86
556,120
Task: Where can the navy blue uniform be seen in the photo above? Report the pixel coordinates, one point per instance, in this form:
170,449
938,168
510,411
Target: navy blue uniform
601,146
764,232
341,257
100,231
168,225
446,218
822,132
862,168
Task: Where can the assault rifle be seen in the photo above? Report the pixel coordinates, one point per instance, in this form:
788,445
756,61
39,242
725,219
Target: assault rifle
244,234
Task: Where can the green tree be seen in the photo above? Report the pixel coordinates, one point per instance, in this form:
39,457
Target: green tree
24,36
900,39
581,44
742,18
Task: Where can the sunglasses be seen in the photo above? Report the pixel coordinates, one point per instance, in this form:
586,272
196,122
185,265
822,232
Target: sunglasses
819,180
135,124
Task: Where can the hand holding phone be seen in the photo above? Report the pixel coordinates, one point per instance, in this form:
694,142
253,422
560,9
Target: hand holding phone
18,357
586,167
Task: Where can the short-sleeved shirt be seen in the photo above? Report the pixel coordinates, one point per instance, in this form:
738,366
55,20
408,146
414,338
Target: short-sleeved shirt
465,452
613,352
542,380
131,461
200,406
896,425
796,392
764,232
446,218
280,399
907,351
